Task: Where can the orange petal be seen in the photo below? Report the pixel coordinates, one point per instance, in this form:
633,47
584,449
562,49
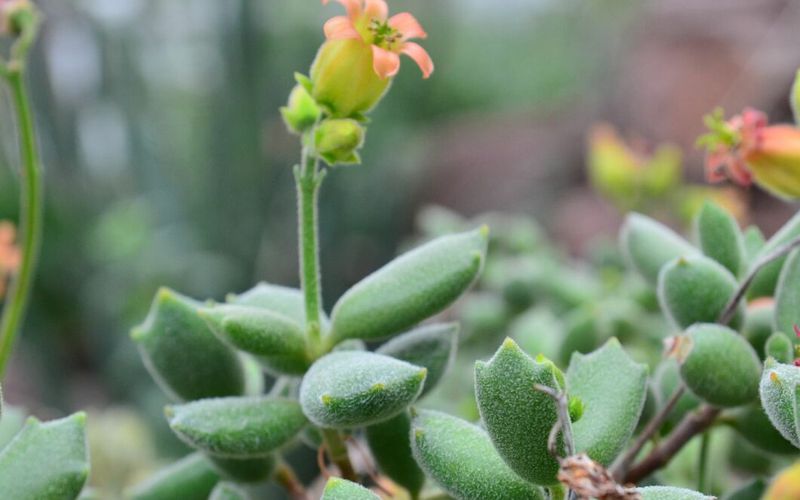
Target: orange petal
407,25
385,63
353,7
340,28
376,9
420,56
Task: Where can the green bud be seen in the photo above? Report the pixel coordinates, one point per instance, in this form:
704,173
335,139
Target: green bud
337,141
576,408
302,112
718,365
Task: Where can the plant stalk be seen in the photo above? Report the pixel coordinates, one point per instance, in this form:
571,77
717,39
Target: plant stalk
337,451
31,218
308,180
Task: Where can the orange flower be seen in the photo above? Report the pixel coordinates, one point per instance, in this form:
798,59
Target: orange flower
368,22
746,149
9,253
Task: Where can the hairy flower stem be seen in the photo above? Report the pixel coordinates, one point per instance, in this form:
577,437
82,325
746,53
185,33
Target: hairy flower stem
31,218
700,420
308,180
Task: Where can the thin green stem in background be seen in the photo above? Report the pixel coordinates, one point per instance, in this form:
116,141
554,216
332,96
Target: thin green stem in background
31,218
702,463
308,180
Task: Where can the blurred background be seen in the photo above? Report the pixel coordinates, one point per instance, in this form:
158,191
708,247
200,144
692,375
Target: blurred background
167,162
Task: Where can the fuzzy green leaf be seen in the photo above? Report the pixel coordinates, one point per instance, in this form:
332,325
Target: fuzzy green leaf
670,493
779,397
720,237
46,461
277,340
780,347
649,245
718,365
280,299
242,427
430,346
353,388
411,288
613,389
766,279
341,489
182,354
190,478
787,295
754,426
228,491
390,445
460,457
758,324
244,470
695,290
752,490
510,407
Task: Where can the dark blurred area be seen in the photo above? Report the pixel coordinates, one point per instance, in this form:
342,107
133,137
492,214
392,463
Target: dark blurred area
167,162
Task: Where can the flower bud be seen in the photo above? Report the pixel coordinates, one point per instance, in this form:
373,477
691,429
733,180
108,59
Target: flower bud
301,113
15,15
343,79
337,141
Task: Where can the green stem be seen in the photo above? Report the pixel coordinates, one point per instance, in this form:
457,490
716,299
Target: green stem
31,219
702,464
337,451
308,181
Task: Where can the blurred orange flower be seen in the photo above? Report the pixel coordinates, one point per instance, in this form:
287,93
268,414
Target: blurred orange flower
9,253
368,21
746,149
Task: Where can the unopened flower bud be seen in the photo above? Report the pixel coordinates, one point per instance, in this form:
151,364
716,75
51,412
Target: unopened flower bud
302,112
13,15
344,80
337,141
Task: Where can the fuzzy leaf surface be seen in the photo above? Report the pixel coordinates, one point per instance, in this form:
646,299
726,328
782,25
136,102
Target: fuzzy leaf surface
695,290
347,389
460,457
649,245
430,346
720,237
277,340
46,461
182,354
341,489
190,478
511,408
411,288
241,427
613,389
